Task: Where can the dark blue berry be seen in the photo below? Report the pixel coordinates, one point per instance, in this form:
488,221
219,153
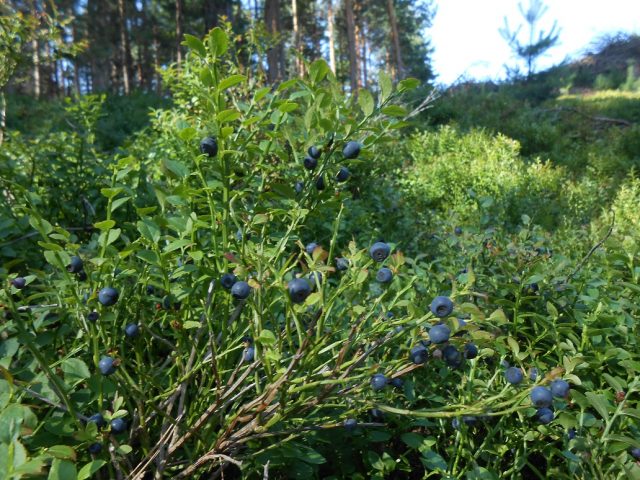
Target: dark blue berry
350,424
418,355
439,333
108,296
384,275
351,150
98,419
513,375
343,174
209,146
541,397
95,448
299,290
240,290
228,280
93,316
311,247
118,425
378,382
106,365
314,152
397,382
559,388
248,354
132,330
441,306
544,415
320,182
452,356
310,163
75,265
470,351
19,282
379,251
342,264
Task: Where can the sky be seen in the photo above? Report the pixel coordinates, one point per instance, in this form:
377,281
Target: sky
467,42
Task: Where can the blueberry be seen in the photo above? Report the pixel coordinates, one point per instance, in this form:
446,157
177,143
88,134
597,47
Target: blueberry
82,275
248,354
351,150
209,146
533,288
544,415
378,382
108,296
240,290
228,280
93,316
98,419
314,152
169,302
455,423
541,397
95,448
439,333
132,330
458,231
75,265
559,388
397,382
376,415
462,323
311,247
441,306
571,434
298,187
315,279
343,174
470,351
299,290
310,163
418,355
384,275
342,264
106,365
533,374
379,251
452,356
350,424
320,182
389,315
504,364
635,453
118,425
513,375
469,420
19,282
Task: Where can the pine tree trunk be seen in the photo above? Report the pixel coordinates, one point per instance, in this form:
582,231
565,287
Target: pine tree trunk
35,45
395,39
351,40
297,38
179,11
125,49
332,46
274,54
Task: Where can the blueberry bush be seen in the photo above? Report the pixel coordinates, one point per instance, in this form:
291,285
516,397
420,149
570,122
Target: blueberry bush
233,303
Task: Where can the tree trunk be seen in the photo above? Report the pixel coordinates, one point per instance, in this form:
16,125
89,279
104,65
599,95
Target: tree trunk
395,39
275,56
179,10
332,47
297,38
3,116
351,40
156,60
125,49
35,45
213,9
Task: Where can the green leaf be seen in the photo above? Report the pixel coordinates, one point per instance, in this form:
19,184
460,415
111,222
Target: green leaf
412,439
104,225
149,230
116,203
90,468
57,259
385,85
187,134
600,403
124,449
62,470
177,168
218,41
231,81
75,370
149,257
365,100
260,94
189,324
177,244
63,452
287,107
195,44
267,337
408,84
394,111
228,115
318,70
110,192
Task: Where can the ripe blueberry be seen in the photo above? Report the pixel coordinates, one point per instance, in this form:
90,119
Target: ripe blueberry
298,187
544,415
106,365
397,382
376,415
95,448
150,290
452,356
132,330
571,434
118,425
19,282
93,316
559,388
458,231
418,354
342,264
82,275
314,152
311,247
635,453
320,182
439,333
240,290
441,306
343,174
384,275
310,163
108,296
351,150
209,146
378,382
541,397
350,424
75,265
98,419
227,280
299,290
513,375
470,351
379,251
533,374
315,279
248,354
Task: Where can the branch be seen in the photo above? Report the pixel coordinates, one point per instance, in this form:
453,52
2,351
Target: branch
594,248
